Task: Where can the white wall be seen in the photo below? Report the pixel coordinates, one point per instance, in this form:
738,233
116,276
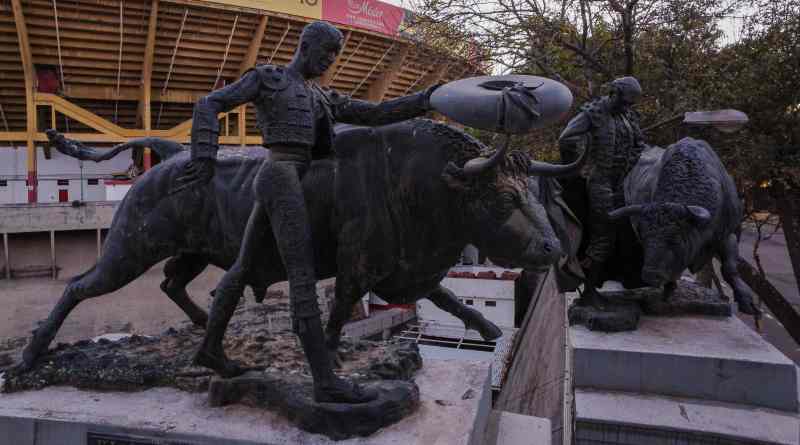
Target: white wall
502,314
15,192
115,192
14,169
478,292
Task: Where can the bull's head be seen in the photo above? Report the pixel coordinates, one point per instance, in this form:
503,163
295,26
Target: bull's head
507,219
671,236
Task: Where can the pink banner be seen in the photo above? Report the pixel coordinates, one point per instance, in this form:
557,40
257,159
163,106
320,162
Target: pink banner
366,14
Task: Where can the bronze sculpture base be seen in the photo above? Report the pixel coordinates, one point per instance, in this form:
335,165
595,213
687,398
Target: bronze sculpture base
293,396
279,379
622,309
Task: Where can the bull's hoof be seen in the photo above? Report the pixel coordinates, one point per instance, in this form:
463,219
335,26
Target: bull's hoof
749,308
488,330
610,318
223,366
30,355
20,368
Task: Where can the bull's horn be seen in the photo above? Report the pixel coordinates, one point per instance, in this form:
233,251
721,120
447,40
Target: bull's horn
699,214
555,170
479,165
630,210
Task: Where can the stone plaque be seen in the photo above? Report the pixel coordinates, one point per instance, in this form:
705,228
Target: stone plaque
93,438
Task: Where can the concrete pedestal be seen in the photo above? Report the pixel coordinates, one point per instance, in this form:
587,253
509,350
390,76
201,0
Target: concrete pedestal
697,379
455,405
507,428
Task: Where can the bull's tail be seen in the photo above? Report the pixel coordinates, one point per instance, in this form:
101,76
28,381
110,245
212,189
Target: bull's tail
163,148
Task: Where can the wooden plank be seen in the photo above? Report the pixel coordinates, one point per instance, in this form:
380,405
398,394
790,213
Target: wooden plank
143,117
377,90
327,77
109,93
255,44
435,77
30,104
536,375
242,125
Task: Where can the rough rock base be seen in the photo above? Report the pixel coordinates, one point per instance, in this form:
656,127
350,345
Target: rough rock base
455,399
624,308
294,397
279,379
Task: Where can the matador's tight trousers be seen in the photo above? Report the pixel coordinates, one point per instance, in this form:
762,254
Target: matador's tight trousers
279,197
604,197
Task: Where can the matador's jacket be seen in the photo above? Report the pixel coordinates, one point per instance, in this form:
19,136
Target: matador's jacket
615,142
295,116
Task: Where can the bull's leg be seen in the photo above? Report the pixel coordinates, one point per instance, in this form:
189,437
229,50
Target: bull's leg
226,297
105,277
348,292
448,302
729,257
669,290
180,270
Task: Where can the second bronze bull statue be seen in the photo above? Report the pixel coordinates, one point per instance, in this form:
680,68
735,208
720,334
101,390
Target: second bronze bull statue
391,214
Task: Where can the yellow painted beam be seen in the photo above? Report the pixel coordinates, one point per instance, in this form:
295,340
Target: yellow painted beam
80,114
378,88
234,140
242,125
252,51
13,136
113,131
30,95
18,136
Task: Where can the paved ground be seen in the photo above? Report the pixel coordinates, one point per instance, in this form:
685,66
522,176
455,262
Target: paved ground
775,260
139,308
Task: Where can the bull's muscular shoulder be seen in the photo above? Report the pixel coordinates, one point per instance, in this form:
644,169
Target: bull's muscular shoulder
272,76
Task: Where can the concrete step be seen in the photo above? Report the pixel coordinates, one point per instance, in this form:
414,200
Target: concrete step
455,402
632,419
706,358
505,428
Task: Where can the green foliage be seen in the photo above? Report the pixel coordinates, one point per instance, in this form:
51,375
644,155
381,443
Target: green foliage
677,50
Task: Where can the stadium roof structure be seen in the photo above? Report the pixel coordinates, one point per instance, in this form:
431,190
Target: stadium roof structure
125,69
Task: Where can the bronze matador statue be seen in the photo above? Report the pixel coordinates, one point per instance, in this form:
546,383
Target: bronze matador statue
296,117
610,130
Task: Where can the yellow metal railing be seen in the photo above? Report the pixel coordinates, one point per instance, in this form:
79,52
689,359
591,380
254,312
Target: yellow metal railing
110,132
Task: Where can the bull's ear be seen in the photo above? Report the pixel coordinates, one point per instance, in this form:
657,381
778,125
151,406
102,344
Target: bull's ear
699,215
630,210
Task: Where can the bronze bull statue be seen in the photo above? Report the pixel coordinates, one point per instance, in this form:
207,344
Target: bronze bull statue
390,214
